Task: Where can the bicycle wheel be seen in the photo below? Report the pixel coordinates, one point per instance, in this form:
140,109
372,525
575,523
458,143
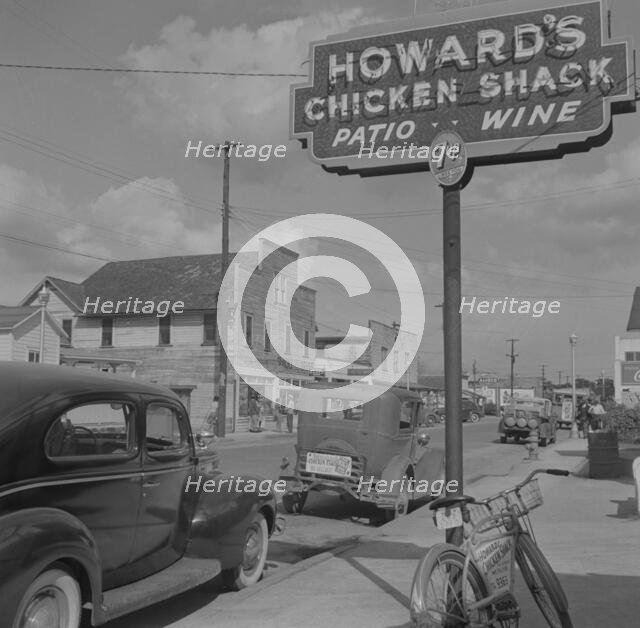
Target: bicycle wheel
439,597
543,583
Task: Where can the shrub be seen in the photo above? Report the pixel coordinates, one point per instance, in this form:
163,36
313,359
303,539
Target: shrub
624,421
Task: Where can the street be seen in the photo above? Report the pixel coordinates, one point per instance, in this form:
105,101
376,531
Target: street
327,521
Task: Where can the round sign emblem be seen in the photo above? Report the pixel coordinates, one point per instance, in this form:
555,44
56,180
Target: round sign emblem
447,158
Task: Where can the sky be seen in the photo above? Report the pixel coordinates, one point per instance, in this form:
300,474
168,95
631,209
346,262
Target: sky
92,168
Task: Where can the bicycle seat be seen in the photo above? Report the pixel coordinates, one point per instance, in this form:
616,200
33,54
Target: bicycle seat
450,500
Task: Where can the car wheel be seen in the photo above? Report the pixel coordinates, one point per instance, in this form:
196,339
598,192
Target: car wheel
474,417
293,503
254,555
52,600
503,439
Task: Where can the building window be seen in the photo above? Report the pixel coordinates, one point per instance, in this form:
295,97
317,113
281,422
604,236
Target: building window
209,328
107,332
384,352
248,329
267,336
281,289
33,356
307,342
164,330
287,339
632,356
67,326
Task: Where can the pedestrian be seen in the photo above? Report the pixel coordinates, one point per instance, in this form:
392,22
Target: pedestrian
582,418
254,412
280,414
262,410
211,420
596,412
290,411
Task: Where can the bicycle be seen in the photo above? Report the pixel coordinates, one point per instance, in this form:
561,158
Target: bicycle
472,585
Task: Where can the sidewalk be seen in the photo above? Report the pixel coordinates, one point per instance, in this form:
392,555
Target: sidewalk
586,528
268,434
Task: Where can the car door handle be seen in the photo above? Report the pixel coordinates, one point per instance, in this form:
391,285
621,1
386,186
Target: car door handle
150,484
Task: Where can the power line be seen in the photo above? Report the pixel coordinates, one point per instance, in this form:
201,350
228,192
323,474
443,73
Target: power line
77,160
24,66
12,238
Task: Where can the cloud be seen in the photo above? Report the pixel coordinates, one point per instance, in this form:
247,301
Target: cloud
144,218
160,220
217,108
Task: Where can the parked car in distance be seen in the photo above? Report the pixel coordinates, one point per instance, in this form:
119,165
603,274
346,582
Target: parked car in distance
471,411
521,416
103,508
347,451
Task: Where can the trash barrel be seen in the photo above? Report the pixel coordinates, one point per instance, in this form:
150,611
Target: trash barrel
603,455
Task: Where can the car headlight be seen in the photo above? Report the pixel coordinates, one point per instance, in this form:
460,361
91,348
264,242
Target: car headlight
533,424
522,422
509,421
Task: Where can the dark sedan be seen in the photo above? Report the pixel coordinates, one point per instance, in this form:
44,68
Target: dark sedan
107,504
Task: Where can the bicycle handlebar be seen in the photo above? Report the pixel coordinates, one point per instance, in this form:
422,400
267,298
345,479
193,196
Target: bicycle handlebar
528,479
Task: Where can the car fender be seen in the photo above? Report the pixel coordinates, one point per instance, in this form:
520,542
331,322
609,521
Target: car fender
397,467
34,538
431,465
221,517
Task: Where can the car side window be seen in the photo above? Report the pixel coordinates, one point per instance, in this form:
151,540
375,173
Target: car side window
165,431
102,429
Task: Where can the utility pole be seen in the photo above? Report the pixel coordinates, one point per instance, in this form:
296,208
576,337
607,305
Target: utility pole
602,385
559,378
224,264
542,366
513,357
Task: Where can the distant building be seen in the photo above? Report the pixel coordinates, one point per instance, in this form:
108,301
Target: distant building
179,350
20,335
626,377
361,355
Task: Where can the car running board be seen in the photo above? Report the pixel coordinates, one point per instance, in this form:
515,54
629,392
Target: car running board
183,575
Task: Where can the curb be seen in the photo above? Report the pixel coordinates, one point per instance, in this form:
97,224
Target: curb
290,572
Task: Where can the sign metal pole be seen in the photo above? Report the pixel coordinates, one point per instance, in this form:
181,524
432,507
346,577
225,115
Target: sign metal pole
452,341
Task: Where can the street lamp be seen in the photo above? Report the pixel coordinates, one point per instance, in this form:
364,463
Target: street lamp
43,299
573,339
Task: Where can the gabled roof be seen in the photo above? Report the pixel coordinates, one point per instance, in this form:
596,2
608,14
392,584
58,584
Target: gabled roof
68,291
193,279
74,291
11,317
634,315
